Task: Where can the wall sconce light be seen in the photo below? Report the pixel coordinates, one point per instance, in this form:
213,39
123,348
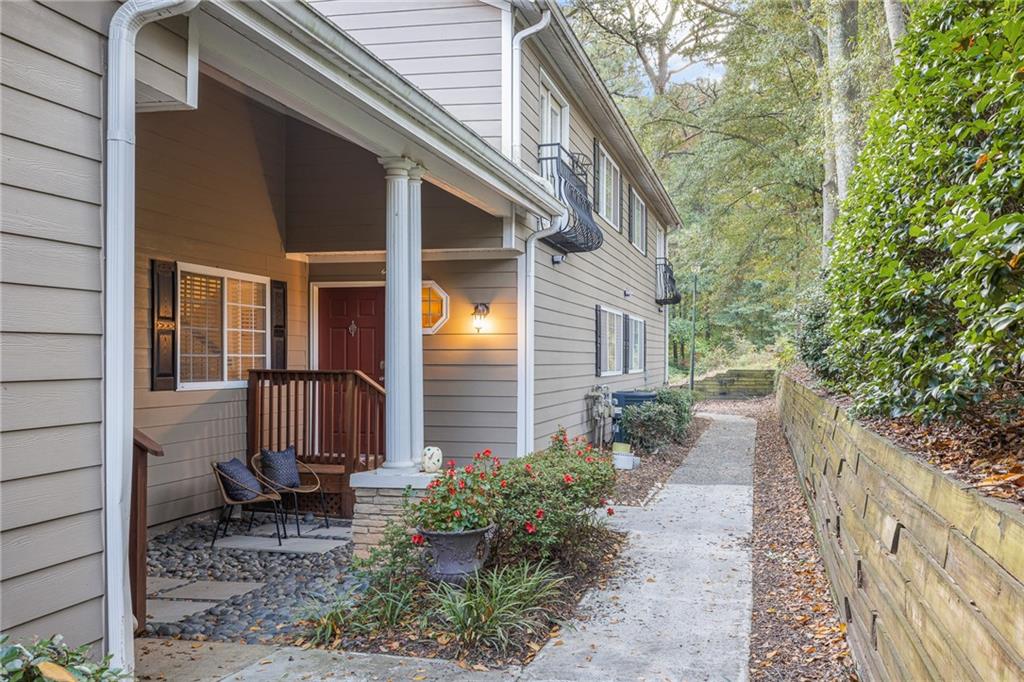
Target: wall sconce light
480,313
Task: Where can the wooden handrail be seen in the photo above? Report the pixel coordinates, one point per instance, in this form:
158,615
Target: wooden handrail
334,418
144,442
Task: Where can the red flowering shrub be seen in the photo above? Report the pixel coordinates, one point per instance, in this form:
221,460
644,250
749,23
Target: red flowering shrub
545,498
460,499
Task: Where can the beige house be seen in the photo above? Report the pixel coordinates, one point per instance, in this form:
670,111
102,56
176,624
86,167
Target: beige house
360,227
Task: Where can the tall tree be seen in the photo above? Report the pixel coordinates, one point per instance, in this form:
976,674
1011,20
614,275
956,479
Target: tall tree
841,17
896,23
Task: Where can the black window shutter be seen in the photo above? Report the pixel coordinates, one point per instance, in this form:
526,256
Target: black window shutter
163,359
278,325
597,175
618,223
630,218
597,340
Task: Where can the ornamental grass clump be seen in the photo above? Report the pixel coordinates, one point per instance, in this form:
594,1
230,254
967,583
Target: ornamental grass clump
927,275
496,608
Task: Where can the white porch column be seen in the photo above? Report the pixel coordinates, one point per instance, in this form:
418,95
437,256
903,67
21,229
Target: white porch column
397,343
415,319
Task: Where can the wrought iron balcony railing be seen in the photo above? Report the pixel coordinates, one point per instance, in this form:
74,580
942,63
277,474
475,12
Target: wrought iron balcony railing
667,289
567,173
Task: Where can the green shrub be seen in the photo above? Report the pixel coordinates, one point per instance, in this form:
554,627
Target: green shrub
681,402
813,338
52,659
389,582
927,302
650,425
548,496
495,606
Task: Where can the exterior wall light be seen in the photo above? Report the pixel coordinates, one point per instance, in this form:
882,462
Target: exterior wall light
480,313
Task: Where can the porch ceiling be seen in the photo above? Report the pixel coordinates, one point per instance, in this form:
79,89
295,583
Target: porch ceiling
290,53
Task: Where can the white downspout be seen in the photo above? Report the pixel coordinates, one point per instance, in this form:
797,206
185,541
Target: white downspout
119,309
517,82
557,222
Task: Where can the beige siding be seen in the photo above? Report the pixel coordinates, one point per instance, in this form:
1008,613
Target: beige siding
161,61
567,294
51,482
210,192
336,201
450,49
469,379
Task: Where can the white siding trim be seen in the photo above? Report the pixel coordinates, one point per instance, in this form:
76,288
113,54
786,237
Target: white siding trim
523,408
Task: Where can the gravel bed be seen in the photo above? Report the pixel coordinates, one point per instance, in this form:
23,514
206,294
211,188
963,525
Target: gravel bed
796,633
294,584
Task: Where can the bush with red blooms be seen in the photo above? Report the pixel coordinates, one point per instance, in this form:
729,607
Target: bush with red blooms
548,497
460,498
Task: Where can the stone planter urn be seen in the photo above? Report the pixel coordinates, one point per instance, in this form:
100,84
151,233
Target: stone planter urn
455,555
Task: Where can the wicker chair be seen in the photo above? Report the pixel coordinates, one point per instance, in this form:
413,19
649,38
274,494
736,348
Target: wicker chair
230,503
308,489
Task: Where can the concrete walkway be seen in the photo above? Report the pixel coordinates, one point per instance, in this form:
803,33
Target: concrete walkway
683,612
680,611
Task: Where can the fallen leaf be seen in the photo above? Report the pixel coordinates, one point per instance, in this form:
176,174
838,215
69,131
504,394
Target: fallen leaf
52,671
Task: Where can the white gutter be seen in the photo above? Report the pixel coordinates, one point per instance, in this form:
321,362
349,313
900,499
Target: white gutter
119,308
557,222
517,82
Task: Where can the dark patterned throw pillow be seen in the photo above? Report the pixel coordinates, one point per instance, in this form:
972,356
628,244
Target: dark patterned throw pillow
239,482
280,467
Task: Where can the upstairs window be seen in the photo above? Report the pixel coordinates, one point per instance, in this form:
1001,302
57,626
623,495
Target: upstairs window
554,126
609,342
223,326
609,205
637,221
637,343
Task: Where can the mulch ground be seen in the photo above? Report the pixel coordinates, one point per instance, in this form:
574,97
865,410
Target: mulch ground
417,636
635,487
982,449
796,633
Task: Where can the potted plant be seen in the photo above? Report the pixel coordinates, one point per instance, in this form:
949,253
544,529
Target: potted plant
455,519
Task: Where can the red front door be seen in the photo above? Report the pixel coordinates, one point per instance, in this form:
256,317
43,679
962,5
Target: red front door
351,330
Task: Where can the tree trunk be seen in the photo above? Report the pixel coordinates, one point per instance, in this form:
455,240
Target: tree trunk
842,33
896,22
828,206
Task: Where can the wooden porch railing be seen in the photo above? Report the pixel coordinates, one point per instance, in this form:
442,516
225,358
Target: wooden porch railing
335,419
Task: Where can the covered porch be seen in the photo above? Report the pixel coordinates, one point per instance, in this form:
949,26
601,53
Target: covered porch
287,280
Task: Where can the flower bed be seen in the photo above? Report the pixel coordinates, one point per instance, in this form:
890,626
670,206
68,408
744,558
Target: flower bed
548,546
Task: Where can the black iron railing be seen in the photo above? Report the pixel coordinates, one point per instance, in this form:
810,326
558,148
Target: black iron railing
567,172
667,289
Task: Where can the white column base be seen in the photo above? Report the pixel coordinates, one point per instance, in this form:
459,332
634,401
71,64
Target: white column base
391,478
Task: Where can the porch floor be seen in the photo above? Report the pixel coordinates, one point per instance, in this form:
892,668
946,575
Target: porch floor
247,588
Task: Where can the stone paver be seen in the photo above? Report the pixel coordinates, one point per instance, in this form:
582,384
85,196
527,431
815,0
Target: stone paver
312,530
156,584
211,590
174,610
289,545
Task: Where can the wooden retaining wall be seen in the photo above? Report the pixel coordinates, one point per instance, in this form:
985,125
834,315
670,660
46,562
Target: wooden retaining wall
926,572
735,384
